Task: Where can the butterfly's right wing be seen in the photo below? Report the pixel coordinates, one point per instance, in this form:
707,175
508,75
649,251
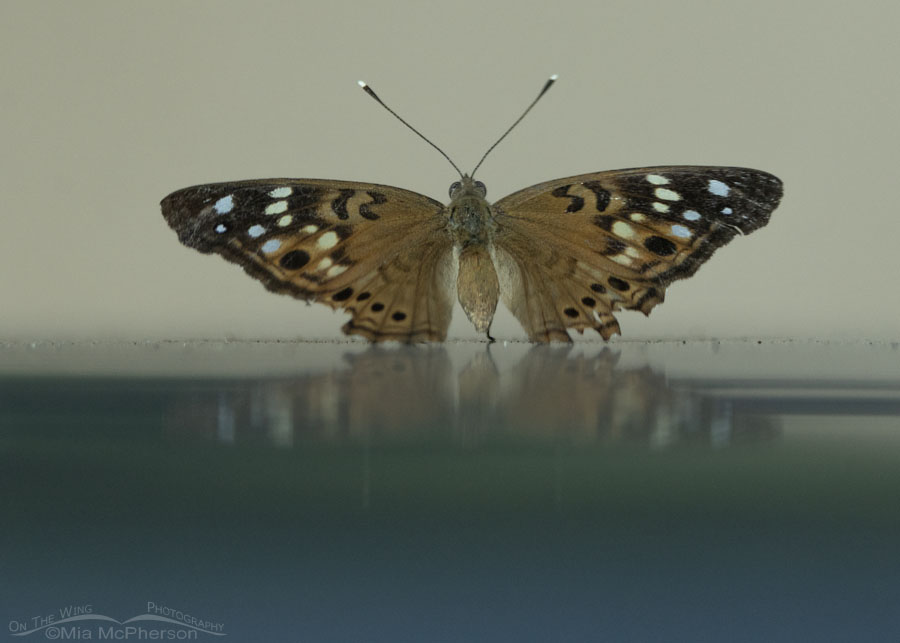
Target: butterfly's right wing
379,252
571,251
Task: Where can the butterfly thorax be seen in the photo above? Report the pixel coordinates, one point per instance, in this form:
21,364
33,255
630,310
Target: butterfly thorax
471,224
470,219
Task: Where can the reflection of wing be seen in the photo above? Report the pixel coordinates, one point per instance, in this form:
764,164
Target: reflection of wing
573,250
551,393
401,391
379,252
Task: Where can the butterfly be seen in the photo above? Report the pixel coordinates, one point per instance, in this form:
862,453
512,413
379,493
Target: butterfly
563,254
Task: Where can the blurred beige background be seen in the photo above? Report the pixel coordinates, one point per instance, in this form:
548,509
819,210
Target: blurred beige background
109,106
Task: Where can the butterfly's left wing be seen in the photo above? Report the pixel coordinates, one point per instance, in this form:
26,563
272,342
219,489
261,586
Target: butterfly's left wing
379,252
573,250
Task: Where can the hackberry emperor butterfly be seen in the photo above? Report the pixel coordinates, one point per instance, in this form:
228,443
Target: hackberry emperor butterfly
563,254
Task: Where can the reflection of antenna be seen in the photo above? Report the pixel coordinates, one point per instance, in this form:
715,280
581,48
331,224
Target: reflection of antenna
547,86
543,91
371,93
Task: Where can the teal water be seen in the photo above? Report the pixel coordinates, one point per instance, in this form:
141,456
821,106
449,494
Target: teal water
321,492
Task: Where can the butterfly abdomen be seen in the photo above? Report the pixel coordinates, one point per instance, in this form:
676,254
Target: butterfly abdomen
477,285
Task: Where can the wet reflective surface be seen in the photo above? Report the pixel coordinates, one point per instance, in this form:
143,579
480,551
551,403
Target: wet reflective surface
340,492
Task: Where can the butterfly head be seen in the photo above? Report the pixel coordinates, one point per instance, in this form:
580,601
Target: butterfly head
467,187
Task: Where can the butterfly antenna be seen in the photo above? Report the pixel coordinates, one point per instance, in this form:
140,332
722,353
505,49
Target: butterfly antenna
371,93
547,86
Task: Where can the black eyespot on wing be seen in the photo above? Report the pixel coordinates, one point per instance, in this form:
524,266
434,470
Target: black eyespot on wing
398,316
343,295
571,312
294,260
599,288
618,284
377,307
659,246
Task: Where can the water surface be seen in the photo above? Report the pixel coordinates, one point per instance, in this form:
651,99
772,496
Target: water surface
340,492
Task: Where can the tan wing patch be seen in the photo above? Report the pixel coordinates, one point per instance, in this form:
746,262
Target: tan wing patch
408,299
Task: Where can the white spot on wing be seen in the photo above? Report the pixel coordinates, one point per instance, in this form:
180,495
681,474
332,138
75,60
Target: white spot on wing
660,207
334,271
277,207
325,264
637,217
256,231
718,188
681,231
271,246
667,194
221,228
623,230
656,179
309,229
224,205
622,259
691,215
280,193
285,220
328,240
727,210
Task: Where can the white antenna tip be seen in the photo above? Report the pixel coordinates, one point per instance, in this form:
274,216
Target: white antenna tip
554,76
361,83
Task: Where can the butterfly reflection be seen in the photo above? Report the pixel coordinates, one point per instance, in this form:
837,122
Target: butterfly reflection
406,396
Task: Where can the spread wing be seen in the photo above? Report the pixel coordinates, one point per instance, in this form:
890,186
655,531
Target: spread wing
572,251
379,252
